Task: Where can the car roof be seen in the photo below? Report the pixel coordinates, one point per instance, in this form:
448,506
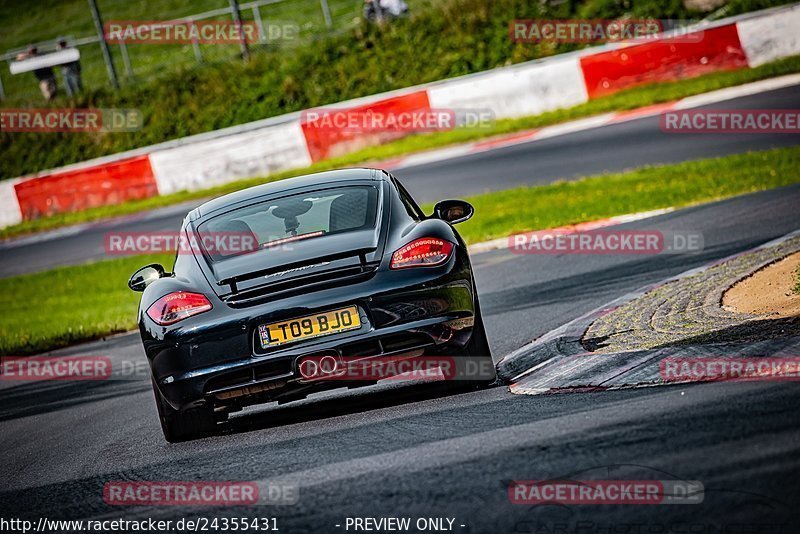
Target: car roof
278,186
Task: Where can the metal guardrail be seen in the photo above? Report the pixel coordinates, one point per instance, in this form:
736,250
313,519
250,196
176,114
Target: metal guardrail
254,7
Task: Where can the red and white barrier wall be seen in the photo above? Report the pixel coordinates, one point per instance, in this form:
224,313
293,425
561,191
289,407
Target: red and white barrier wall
290,141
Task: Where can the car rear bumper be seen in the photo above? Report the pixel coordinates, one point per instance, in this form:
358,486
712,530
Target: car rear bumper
218,359
277,378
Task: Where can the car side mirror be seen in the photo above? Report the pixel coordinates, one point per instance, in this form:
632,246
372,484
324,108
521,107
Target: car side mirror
453,211
145,276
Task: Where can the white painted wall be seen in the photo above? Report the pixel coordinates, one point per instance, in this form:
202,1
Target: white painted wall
772,37
225,159
9,206
516,92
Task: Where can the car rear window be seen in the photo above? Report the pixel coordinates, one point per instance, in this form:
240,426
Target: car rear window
281,221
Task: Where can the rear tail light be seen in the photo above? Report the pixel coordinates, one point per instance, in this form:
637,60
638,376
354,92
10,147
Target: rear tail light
175,307
423,252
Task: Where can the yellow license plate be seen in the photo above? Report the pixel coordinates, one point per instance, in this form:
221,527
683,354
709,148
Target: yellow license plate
310,326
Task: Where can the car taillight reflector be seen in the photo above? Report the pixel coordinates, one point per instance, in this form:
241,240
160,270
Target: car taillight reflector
423,252
175,307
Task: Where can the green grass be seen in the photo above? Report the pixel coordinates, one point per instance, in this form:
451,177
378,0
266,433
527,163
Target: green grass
631,99
70,304
67,305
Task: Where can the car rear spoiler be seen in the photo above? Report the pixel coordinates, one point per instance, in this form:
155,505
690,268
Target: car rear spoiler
296,266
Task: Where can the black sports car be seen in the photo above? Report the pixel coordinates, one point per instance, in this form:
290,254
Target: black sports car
344,268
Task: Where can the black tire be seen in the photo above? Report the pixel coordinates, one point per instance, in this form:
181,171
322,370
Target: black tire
180,426
476,357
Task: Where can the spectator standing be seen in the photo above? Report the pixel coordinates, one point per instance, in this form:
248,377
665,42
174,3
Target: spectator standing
71,73
372,11
45,76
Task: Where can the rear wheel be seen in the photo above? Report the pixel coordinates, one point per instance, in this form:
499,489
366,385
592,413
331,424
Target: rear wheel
182,425
475,367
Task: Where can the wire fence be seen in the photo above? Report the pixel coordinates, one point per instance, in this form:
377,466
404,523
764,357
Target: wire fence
138,62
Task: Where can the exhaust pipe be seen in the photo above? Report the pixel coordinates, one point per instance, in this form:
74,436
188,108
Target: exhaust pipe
308,368
328,365
316,367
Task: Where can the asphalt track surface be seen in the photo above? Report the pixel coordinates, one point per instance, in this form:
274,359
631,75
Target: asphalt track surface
418,451
612,148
